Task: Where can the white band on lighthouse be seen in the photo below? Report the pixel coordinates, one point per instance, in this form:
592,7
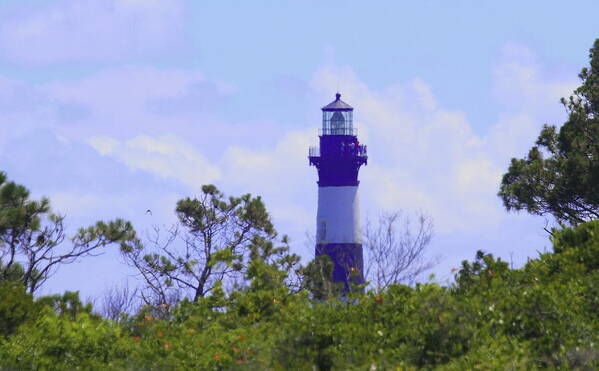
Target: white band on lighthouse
338,216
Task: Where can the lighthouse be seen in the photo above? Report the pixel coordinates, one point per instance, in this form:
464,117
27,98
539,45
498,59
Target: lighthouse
338,160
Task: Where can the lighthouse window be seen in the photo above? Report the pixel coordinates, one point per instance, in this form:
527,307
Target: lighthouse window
323,230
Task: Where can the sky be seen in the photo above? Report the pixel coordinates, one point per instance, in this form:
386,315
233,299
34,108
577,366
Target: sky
114,107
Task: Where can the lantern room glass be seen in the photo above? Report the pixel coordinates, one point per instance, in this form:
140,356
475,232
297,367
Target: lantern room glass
337,122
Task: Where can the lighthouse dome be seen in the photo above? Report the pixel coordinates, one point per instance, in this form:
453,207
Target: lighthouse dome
337,105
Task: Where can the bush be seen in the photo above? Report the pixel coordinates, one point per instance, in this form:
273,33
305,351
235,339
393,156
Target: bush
16,307
542,315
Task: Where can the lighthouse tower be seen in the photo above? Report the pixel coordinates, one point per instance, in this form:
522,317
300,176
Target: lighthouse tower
338,160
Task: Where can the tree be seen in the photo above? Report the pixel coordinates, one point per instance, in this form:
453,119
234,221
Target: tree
317,279
212,243
118,302
395,248
560,176
33,243
67,305
16,307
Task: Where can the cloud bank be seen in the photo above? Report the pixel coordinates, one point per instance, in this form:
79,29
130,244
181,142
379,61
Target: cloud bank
123,140
92,31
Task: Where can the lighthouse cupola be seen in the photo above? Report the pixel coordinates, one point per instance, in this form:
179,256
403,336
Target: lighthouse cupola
338,160
337,118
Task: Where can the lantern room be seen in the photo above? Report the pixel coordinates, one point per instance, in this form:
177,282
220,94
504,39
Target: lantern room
337,118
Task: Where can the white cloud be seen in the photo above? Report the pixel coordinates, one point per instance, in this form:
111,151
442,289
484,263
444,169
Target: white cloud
421,156
287,162
522,84
424,156
281,175
166,156
92,31
104,145
122,103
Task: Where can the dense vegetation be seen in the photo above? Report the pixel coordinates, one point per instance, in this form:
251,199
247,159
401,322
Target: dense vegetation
542,315
231,296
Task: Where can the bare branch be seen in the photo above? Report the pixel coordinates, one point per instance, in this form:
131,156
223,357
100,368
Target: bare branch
119,301
395,248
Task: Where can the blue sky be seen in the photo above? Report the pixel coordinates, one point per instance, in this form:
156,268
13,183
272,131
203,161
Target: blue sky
113,107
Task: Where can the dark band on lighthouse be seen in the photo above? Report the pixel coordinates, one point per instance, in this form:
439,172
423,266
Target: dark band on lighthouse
338,160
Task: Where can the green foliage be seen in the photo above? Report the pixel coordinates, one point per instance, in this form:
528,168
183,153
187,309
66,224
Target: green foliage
67,305
54,342
16,307
481,274
585,238
561,173
540,316
318,278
